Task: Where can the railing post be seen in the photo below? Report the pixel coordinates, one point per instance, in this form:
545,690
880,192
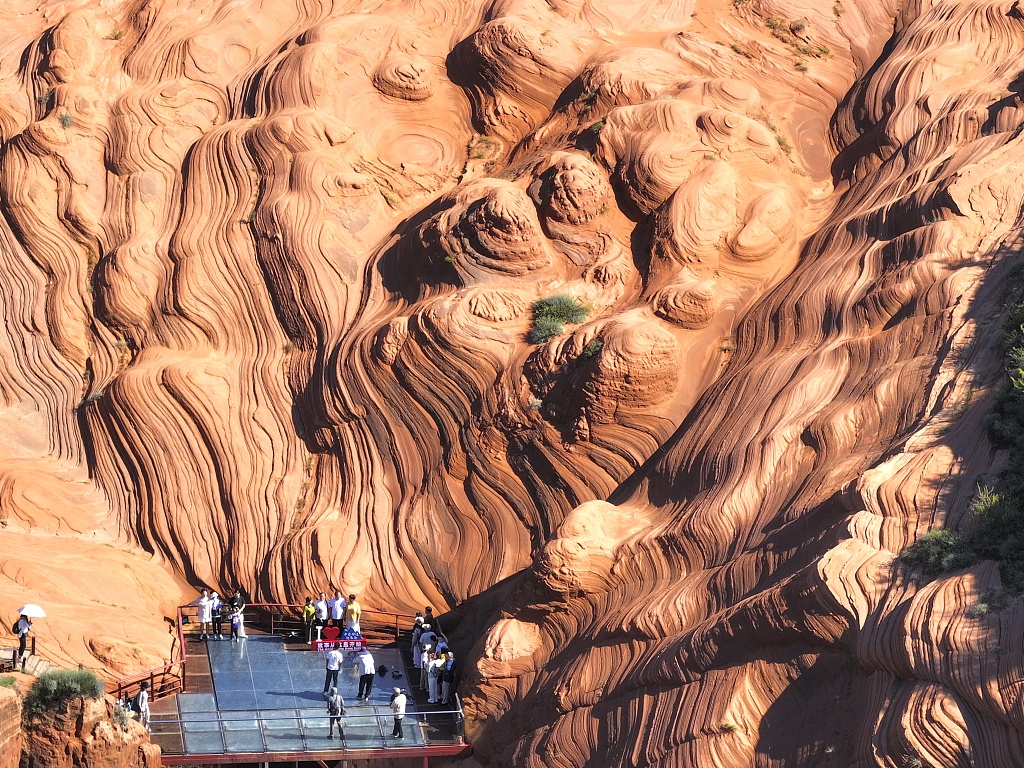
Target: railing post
33,646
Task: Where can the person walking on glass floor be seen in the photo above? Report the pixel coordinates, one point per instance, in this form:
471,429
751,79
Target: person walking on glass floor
367,671
398,701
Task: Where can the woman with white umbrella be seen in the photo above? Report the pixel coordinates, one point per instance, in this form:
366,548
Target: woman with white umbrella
23,626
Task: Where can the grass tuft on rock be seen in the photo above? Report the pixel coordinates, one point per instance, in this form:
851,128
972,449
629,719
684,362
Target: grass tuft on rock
552,313
998,530
544,329
57,686
561,307
936,552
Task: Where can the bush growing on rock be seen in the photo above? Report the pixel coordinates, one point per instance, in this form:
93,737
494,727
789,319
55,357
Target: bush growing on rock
57,686
544,329
561,307
937,551
550,315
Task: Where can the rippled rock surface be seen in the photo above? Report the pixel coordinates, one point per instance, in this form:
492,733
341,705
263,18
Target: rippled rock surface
266,276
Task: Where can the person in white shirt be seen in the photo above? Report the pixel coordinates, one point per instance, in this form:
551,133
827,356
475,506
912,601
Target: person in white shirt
205,618
142,702
367,671
334,661
437,663
398,701
417,630
323,609
338,609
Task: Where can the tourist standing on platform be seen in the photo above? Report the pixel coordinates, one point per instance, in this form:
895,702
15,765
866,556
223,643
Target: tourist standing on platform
425,660
308,617
428,639
429,618
205,604
367,671
338,609
237,602
417,630
237,626
352,612
21,628
334,661
218,617
335,709
323,610
448,678
142,704
398,701
433,678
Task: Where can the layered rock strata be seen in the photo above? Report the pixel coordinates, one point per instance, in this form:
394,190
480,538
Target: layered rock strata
267,275
739,601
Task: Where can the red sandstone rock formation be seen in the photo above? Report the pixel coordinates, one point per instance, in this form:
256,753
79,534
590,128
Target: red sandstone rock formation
82,734
266,281
11,737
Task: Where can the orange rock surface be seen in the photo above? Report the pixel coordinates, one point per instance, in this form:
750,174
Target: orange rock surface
266,278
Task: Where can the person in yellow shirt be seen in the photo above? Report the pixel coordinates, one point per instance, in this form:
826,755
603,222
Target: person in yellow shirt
308,616
352,611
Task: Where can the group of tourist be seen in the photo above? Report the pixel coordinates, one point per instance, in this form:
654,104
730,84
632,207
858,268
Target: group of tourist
336,709
431,654
211,610
333,612
430,651
436,662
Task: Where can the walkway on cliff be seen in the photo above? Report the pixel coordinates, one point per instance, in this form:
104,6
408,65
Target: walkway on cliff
261,700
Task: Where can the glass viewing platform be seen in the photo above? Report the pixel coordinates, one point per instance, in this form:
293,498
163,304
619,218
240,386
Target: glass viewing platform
261,699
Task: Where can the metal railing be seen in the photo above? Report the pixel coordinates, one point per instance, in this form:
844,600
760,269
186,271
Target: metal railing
377,627
237,732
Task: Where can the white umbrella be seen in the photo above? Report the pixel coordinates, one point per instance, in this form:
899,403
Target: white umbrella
32,610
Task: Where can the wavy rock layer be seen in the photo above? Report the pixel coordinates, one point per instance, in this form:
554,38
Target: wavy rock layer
267,281
739,603
267,275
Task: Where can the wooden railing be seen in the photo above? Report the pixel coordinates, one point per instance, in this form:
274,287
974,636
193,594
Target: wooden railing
378,627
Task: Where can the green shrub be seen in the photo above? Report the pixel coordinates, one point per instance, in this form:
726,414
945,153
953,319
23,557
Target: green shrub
995,599
561,307
66,120
999,535
121,716
999,531
593,347
550,315
544,329
937,551
7,681
55,687
978,610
